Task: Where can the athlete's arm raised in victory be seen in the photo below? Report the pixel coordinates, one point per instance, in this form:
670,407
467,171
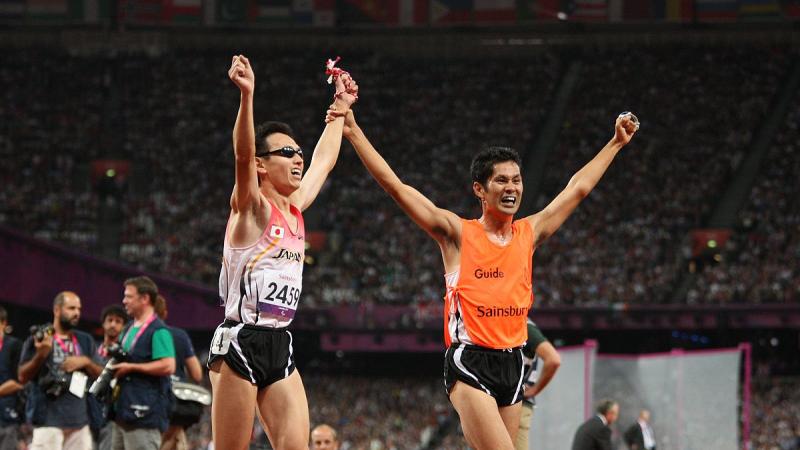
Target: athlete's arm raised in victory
548,220
443,225
327,150
246,196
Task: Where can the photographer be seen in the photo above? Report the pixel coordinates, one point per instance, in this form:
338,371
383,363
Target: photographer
113,319
56,359
141,405
9,386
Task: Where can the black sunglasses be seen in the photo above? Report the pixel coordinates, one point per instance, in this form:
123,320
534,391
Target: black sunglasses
286,152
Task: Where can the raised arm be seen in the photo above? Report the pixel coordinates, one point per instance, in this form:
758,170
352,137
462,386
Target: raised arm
327,150
442,225
548,220
245,191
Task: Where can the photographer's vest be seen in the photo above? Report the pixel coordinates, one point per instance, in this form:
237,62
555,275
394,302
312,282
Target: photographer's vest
143,401
66,410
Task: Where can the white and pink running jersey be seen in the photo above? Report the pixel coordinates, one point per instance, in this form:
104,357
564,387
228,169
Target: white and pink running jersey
261,284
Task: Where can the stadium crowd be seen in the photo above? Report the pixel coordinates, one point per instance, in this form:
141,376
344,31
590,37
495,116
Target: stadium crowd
627,244
776,414
171,117
759,261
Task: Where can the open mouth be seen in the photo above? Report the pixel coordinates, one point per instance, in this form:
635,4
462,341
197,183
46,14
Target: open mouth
297,172
508,200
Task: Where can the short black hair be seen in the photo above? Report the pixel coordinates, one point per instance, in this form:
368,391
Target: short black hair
114,310
267,128
605,406
483,163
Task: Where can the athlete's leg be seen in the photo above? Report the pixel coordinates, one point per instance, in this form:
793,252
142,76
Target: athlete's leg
483,425
283,409
232,407
511,415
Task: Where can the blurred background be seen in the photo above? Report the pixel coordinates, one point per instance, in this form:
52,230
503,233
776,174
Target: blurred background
116,160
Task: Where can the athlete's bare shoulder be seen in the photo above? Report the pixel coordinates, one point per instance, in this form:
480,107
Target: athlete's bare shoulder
247,224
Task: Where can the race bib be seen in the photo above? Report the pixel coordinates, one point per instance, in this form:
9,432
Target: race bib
221,341
279,300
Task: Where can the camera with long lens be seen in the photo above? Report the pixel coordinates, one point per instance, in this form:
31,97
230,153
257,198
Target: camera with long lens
42,331
102,384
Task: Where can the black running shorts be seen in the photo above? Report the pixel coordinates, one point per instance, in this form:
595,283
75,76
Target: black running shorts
259,354
498,373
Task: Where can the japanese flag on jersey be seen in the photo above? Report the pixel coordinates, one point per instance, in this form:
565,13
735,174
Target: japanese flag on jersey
276,232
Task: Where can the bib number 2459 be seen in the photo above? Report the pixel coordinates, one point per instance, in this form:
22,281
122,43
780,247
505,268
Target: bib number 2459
284,294
279,300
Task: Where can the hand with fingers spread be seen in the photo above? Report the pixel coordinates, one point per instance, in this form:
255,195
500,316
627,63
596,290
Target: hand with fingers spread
241,73
625,127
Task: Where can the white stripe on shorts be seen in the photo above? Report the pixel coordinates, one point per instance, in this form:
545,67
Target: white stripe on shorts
291,350
521,377
235,341
461,367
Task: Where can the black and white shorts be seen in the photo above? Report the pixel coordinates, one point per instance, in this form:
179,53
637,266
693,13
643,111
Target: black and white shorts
499,373
259,354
